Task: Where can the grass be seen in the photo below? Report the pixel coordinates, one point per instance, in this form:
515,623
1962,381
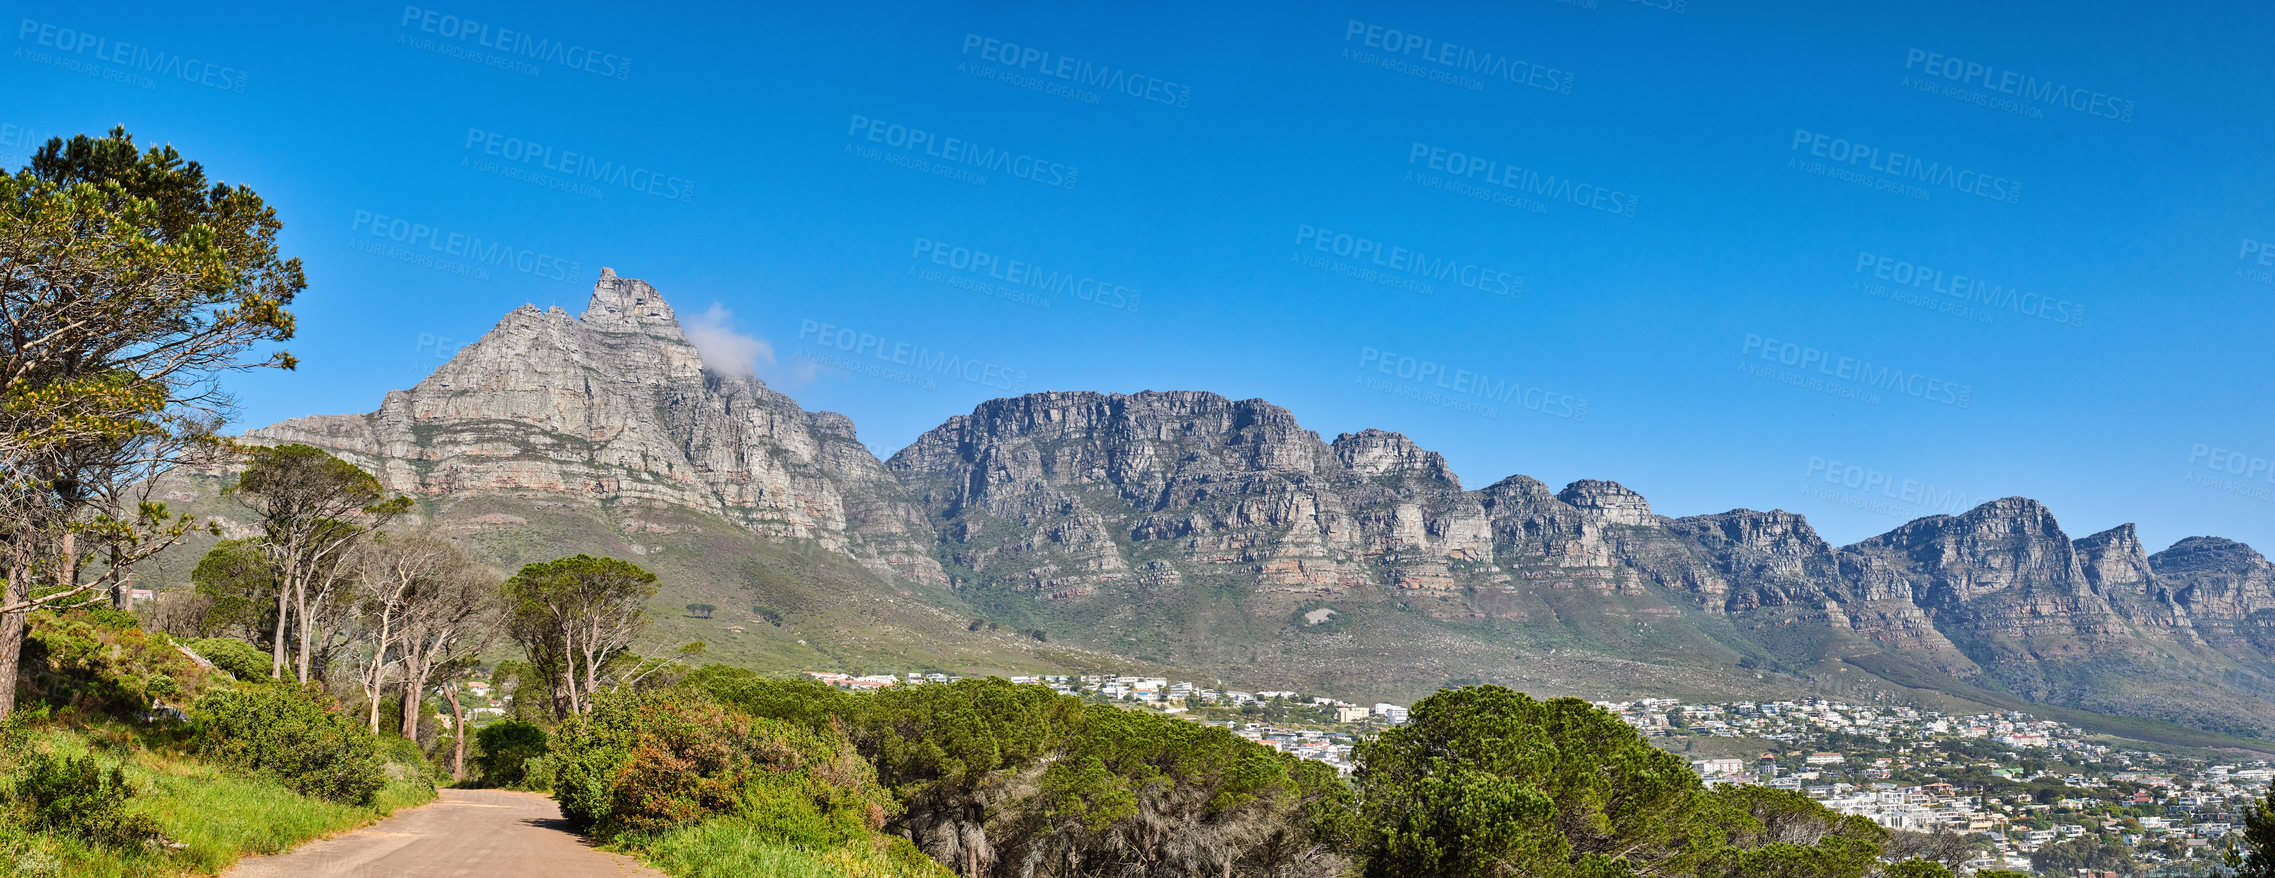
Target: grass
729,847
216,816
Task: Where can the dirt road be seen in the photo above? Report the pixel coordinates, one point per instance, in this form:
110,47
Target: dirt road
465,833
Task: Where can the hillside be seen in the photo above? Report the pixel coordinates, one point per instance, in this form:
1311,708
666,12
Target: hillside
1220,538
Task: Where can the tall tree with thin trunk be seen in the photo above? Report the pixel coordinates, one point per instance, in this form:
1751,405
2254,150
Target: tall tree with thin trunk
456,615
394,572
573,616
308,503
127,286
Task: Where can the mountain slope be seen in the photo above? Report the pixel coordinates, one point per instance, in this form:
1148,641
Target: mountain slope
1193,527
1219,537
615,407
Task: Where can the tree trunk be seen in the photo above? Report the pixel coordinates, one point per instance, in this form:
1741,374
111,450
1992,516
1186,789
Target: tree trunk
377,686
283,620
457,734
306,634
12,625
411,689
11,652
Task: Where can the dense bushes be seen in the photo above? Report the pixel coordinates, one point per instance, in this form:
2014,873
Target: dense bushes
996,779
733,771
1485,781
805,702
287,733
75,796
507,749
242,660
652,762
101,661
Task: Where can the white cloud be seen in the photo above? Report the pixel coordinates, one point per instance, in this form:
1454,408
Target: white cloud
725,350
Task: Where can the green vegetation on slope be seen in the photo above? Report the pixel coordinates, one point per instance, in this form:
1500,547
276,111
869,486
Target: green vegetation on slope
110,785
215,815
2155,731
727,772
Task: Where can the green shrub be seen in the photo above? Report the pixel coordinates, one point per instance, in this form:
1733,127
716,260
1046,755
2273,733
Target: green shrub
653,762
98,660
587,752
406,761
505,751
285,732
992,778
75,796
242,660
539,774
804,702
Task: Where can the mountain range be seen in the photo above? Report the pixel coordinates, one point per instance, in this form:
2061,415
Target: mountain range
1215,537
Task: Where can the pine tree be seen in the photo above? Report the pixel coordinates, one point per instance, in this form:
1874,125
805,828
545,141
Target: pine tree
2255,856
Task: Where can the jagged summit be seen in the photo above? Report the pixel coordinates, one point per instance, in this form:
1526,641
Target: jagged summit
1189,529
613,407
626,302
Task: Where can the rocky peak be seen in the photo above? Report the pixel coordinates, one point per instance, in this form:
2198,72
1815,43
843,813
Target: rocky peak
613,409
1081,435
1611,501
2114,559
2225,585
622,303
2009,542
2207,555
1776,533
1371,453
834,424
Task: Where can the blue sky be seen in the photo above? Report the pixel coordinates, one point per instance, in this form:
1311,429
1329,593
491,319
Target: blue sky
1866,263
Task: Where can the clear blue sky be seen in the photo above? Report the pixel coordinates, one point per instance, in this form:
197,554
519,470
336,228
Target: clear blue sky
1845,221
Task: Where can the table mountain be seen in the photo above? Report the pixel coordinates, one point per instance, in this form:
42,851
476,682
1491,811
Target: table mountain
1220,537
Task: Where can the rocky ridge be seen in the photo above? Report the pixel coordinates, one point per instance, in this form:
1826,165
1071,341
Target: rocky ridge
1191,529
615,408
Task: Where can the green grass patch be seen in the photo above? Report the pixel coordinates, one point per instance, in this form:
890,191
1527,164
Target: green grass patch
216,817
731,847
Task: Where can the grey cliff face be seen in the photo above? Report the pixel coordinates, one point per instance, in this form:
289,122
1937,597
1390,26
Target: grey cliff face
2223,584
615,406
1199,519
